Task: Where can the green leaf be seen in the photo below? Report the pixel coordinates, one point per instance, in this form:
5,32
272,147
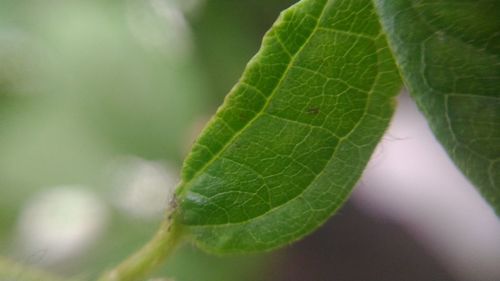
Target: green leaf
293,136
449,56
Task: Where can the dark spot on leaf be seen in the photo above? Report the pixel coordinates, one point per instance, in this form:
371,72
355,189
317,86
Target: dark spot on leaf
242,117
313,110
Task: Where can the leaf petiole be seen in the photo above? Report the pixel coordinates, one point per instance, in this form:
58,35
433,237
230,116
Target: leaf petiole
160,247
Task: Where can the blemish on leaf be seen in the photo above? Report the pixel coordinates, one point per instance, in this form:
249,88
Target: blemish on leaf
313,110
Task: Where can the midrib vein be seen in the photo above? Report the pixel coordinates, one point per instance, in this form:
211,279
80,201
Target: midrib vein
264,107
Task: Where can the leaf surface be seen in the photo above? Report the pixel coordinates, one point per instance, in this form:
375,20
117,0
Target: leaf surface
295,133
449,56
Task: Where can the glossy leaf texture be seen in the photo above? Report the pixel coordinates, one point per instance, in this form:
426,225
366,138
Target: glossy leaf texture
294,135
449,56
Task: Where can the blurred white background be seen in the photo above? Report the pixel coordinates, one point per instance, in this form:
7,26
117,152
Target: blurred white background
411,180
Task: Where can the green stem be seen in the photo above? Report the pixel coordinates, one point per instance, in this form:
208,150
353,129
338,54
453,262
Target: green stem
141,263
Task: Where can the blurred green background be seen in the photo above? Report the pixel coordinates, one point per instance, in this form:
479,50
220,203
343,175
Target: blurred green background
99,103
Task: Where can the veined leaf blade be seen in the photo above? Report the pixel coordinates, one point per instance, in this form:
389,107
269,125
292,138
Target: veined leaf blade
294,135
449,56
